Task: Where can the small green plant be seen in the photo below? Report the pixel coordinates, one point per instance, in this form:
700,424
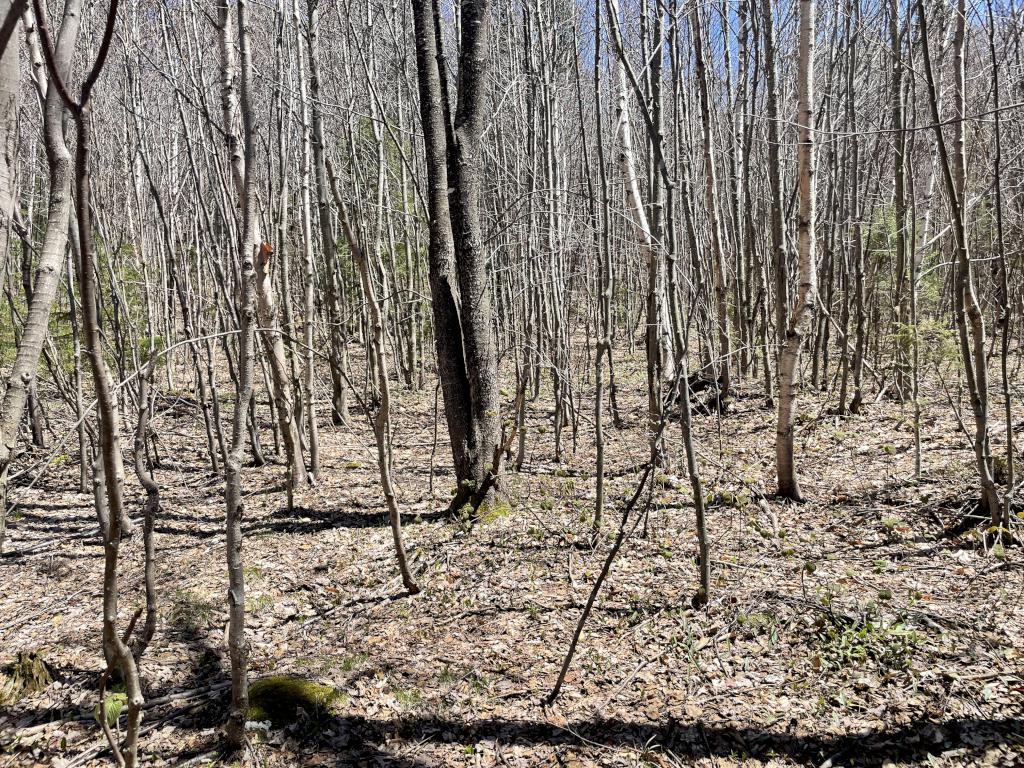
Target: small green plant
352,662
479,683
409,698
257,604
758,624
190,612
728,499
113,705
491,512
890,525
890,644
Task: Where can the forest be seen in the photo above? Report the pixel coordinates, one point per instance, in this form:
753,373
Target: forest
511,383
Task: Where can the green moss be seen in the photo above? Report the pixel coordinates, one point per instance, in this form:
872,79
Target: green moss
490,512
280,697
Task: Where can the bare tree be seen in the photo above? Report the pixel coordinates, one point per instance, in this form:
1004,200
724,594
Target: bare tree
54,245
242,159
459,283
803,309
379,410
115,646
967,311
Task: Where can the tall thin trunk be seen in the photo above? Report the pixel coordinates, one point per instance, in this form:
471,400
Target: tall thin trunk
379,412
309,268
969,319
336,350
243,160
775,174
803,309
714,214
119,657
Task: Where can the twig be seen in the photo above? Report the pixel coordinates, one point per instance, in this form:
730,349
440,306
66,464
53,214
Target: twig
619,539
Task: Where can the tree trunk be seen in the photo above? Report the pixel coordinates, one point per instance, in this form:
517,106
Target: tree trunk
803,309
459,282
51,253
969,320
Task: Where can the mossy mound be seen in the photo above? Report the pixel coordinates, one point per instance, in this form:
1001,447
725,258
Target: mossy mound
28,673
279,698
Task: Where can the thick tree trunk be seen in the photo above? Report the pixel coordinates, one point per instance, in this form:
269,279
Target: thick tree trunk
459,283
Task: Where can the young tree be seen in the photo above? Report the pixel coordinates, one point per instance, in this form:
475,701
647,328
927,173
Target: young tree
242,159
119,657
970,322
379,408
807,295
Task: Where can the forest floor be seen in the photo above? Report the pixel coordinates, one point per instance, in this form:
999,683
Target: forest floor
858,628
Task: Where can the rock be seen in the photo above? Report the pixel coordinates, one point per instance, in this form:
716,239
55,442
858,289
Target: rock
279,698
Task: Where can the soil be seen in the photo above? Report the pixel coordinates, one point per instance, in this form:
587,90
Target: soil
867,626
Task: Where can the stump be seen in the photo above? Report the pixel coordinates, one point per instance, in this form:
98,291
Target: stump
28,673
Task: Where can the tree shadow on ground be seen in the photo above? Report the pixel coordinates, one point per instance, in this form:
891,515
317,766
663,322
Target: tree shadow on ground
303,520
357,739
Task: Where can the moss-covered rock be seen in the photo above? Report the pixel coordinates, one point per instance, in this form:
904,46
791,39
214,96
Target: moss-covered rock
279,698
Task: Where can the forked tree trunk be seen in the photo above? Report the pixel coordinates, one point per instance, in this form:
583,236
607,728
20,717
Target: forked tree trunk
459,277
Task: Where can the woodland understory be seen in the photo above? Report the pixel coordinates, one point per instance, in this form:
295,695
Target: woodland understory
511,383
776,670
